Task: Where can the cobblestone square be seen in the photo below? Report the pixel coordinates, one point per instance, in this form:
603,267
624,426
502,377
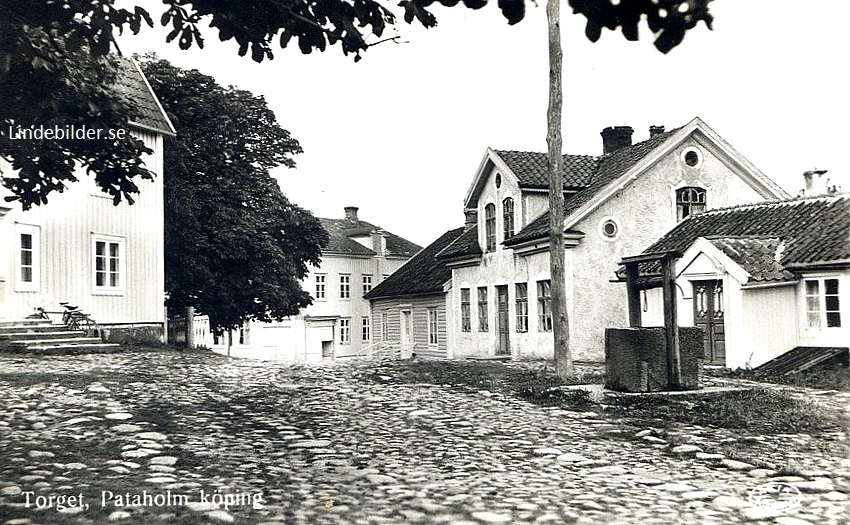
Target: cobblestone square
194,437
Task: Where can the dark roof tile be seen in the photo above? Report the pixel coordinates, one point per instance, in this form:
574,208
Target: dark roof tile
465,245
422,274
131,83
808,231
607,169
530,168
340,242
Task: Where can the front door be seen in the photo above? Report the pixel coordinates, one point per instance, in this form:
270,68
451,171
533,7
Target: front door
502,329
406,327
708,315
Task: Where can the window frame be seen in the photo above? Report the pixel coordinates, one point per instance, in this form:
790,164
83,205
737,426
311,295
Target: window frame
465,310
108,241
345,286
521,307
345,330
321,289
34,232
366,329
822,310
433,327
367,281
490,227
544,305
508,218
682,206
483,310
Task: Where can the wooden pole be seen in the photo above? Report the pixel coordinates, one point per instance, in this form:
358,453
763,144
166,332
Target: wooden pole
634,295
671,322
560,316
190,327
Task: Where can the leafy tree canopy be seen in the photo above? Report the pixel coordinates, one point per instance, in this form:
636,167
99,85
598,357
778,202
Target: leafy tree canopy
54,65
235,247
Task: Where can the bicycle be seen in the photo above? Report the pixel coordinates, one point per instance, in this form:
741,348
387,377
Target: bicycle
73,318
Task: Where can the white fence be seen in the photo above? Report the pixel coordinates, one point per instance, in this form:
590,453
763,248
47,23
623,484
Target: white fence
201,336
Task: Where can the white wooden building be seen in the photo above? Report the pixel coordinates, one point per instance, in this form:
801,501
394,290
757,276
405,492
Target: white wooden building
80,248
359,255
761,280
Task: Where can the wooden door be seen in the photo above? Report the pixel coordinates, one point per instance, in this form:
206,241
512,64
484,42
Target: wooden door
708,315
503,346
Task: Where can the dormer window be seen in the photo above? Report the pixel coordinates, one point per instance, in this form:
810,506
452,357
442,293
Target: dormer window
690,200
490,226
508,217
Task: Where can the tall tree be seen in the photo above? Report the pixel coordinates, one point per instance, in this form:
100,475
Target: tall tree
235,247
49,51
669,20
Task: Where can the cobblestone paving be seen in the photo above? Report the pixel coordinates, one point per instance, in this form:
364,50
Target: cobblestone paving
134,433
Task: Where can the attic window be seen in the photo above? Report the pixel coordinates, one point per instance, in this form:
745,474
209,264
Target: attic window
609,228
690,200
692,157
498,180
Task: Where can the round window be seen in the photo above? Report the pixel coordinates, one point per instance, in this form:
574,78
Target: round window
692,157
609,228
498,180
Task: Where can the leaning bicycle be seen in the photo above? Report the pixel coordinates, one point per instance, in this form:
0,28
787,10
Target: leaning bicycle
73,318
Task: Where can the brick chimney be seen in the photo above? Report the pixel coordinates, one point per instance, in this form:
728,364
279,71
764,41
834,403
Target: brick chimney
616,137
471,216
655,130
817,183
351,213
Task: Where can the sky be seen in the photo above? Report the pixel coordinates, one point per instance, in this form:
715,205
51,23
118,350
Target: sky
401,133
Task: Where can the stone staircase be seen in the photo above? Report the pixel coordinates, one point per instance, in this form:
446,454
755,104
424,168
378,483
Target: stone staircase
41,336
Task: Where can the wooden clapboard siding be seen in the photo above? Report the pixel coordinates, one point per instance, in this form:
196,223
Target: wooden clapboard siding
68,222
419,307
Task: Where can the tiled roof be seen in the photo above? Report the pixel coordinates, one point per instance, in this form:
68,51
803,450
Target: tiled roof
466,244
149,113
422,274
758,256
605,170
802,232
340,232
530,168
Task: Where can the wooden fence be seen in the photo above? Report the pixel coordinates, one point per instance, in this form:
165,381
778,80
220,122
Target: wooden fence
201,336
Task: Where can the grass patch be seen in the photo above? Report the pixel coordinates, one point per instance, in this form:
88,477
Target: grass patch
760,410
821,378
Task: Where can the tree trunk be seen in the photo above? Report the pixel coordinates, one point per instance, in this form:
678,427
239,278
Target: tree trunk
560,319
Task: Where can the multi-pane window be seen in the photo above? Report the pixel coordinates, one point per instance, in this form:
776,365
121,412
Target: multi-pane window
483,314
345,331
108,264
508,217
345,286
385,326
465,311
367,284
432,326
27,260
823,307
689,201
544,306
521,307
490,226
366,329
321,284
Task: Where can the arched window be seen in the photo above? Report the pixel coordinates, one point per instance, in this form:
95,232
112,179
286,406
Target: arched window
508,217
690,200
490,226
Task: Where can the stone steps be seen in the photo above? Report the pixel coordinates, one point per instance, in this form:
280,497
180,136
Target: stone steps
41,336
